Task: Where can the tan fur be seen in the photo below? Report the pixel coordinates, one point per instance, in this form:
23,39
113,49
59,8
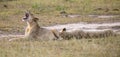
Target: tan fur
78,34
34,32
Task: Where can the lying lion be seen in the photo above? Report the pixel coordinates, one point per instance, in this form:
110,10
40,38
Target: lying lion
34,32
78,34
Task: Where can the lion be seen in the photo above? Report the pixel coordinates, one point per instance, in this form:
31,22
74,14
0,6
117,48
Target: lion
78,34
34,32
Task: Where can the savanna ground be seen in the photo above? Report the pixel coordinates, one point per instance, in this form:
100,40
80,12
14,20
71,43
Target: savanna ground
48,12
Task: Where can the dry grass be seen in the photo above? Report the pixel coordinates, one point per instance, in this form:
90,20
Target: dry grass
101,47
49,12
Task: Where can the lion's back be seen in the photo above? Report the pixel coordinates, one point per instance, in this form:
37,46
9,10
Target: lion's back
45,34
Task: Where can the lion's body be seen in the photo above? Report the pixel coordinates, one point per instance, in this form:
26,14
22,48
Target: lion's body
34,31
39,33
78,34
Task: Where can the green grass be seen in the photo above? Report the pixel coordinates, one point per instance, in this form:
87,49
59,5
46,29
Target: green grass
101,47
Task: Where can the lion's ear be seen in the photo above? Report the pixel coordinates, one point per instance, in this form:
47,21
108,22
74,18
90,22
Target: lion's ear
36,19
64,29
28,12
